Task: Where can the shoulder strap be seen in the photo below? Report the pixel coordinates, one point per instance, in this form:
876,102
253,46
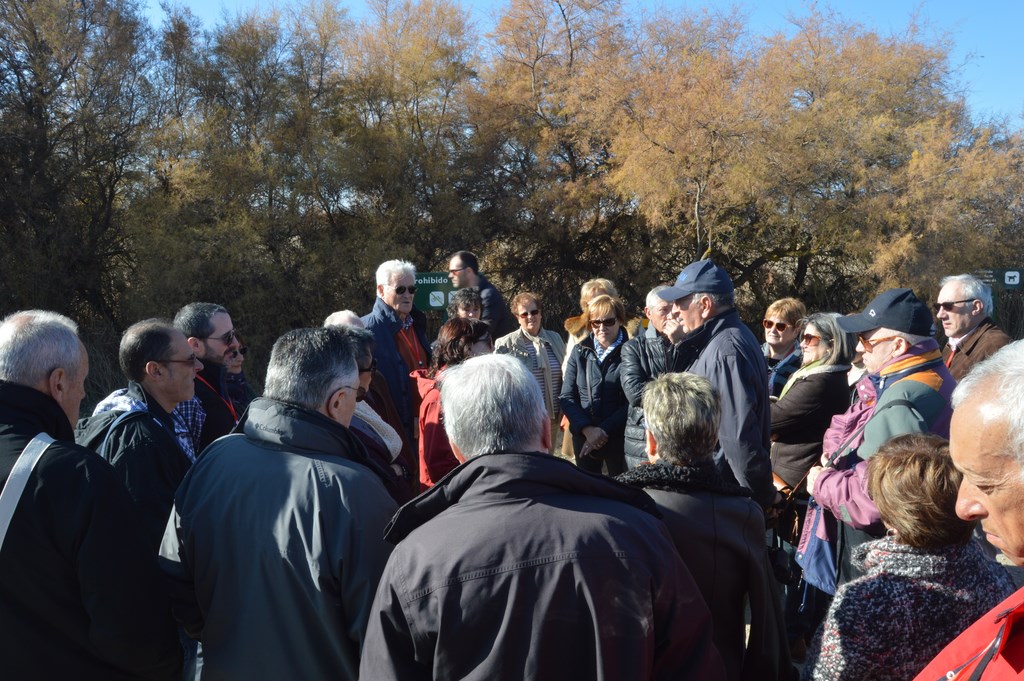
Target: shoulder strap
844,448
103,449
18,478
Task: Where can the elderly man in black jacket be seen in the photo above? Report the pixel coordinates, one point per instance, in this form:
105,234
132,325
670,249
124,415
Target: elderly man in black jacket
518,565
276,541
717,528
137,434
80,593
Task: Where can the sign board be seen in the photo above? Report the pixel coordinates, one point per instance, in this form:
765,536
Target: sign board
433,291
1002,280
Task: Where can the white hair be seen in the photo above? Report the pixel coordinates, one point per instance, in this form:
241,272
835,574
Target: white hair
35,342
492,403
973,289
394,269
653,299
344,318
1003,375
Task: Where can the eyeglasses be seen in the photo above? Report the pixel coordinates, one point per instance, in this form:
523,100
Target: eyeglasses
608,323
810,340
781,326
370,369
870,345
528,313
459,269
948,305
190,360
400,290
226,339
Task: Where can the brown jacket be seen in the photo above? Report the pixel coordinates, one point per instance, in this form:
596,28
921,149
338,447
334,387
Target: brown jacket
985,340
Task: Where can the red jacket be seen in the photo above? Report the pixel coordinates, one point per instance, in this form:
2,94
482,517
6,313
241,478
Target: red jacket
992,647
436,456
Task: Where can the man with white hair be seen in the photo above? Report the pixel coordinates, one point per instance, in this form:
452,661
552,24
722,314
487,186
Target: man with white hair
399,330
518,565
80,593
987,446
643,360
275,543
964,308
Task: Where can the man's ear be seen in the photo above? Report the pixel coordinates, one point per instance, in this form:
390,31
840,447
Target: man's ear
652,447
195,344
977,307
154,369
456,451
57,384
380,290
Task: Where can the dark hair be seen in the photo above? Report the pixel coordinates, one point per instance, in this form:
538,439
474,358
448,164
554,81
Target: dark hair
468,260
913,483
193,320
144,342
454,341
464,297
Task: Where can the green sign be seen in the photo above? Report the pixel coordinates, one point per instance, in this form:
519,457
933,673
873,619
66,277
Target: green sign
1002,280
433,291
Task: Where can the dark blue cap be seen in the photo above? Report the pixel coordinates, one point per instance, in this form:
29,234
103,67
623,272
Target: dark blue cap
897,309
702,276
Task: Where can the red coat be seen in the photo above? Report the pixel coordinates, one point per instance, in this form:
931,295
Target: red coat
436,456
969,652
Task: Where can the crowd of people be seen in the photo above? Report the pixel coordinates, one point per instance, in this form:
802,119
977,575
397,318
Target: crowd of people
657,498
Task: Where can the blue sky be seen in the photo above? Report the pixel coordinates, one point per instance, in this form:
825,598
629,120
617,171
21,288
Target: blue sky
988,35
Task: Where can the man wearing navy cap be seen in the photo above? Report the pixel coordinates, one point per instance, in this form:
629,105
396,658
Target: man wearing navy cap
906,389
706,337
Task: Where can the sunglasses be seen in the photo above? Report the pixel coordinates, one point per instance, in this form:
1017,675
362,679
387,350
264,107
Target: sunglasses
529,313
608,323
950,304
810,340
226,339
400,290
370,369
869,345
781,326
190,360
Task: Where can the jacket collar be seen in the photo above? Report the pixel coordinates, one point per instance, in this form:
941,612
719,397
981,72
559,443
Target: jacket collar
214,375
502,475
702,476
138,393
38,410
699,338
390,317
294,427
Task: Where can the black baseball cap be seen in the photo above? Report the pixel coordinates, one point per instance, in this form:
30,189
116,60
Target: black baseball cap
702,276
897,309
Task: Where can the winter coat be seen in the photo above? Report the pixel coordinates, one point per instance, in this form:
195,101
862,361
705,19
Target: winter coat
495,310
780,374
145,454
592,396
517,345
643,360
908,606
436,456
212,391
521,566
979,345
275,547
968,656
725,352
720,534
802,415
384,323
80,593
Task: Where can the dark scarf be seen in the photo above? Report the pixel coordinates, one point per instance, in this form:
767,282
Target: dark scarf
695,477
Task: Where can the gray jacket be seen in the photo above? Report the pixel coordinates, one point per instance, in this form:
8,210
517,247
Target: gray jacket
275,547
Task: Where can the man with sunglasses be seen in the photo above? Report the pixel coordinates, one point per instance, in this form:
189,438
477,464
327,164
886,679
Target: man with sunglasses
135,432
907,389
704,335
464,271
400,336
276,541
211,335
964,308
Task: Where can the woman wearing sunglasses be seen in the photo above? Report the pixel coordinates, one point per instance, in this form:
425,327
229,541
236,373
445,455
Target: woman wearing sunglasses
592,397
782,341
816,392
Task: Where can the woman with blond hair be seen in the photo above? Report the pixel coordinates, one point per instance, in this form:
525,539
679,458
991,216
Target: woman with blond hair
592,398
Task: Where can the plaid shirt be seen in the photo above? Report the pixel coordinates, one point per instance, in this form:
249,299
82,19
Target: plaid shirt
188,420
